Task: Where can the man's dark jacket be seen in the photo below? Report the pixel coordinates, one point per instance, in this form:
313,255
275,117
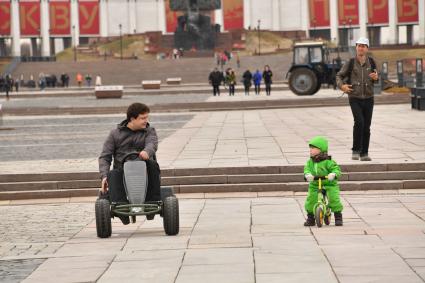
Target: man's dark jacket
122,141
215,78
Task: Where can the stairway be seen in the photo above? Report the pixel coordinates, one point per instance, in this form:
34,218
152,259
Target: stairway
397,176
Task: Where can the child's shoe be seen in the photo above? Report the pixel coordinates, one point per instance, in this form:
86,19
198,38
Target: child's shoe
338,218
310,220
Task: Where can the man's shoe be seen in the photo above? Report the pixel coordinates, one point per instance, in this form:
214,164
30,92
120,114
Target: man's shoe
310,220
124,219
150,216
355,156
338,218
365,158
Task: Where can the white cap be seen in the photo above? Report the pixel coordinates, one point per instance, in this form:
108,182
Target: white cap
363,40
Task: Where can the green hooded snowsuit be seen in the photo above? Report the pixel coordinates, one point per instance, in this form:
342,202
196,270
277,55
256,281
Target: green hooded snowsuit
322,168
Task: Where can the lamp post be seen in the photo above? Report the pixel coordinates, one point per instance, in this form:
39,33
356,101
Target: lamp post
74,43
314,27
120,27
259,42
350,31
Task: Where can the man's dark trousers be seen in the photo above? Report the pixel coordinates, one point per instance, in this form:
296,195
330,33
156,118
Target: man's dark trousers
116,183
216,90
362,110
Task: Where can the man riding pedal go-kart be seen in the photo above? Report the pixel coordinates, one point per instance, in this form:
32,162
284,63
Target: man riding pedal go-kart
133,186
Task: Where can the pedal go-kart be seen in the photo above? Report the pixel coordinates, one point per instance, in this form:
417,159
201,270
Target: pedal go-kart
135,183
322,212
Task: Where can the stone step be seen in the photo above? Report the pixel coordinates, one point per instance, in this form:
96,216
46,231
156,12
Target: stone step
15,195
219,188
49,185
228,171
299,186
282,178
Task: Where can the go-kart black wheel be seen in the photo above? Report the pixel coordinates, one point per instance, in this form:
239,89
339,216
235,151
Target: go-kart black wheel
171,215
319,215
103,218
327,219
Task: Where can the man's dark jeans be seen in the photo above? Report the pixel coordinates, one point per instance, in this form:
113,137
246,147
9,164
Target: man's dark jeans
362,110
216,90
268,88
257,89
116,183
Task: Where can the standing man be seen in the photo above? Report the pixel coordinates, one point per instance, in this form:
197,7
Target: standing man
356,78
267,76
215,78
247,78
134,134
257,81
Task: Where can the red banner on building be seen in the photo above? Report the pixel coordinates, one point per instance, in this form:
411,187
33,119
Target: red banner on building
319,14
60,17
29,13
4,17
171,17
348,12
233,14
407,11
89,17
377,11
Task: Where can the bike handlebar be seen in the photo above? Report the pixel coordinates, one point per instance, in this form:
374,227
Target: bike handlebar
320,177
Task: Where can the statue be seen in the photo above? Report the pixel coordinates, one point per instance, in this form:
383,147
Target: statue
194,28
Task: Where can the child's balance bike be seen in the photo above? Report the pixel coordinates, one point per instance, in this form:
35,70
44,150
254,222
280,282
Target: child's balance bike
136,184
322,212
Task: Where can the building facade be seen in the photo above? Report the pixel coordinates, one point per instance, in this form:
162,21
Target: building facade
48,26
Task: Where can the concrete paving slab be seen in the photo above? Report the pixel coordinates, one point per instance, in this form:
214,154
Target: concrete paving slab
222,240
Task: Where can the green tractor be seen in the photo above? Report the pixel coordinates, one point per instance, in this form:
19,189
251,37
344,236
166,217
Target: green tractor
311,68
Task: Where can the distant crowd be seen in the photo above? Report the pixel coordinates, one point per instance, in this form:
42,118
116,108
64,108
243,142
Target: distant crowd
10,84
228,79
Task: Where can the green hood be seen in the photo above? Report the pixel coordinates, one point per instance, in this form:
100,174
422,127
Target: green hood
319,142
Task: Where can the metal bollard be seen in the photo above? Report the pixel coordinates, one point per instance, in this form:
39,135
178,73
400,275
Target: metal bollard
400,73
419,72
384,74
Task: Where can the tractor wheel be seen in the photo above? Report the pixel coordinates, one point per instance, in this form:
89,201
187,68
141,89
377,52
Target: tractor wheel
103,218
303,81
319,215
171,215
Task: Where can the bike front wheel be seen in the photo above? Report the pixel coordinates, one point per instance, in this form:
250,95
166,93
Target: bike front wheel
319,215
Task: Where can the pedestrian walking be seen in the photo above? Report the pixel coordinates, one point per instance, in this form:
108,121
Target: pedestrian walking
231,81
247,78
88,80
79,79
356,78
267,76
98,81
215,79
257,81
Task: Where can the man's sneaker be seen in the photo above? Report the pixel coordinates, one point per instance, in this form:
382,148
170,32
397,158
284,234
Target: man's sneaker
355,156
365,158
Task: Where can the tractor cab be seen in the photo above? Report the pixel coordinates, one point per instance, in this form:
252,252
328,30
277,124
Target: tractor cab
309,69
308,53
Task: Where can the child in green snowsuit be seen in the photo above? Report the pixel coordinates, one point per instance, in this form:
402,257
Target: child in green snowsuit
321,164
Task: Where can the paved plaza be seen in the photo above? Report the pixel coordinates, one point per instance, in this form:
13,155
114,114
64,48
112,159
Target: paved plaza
213,139
245,237
224,237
